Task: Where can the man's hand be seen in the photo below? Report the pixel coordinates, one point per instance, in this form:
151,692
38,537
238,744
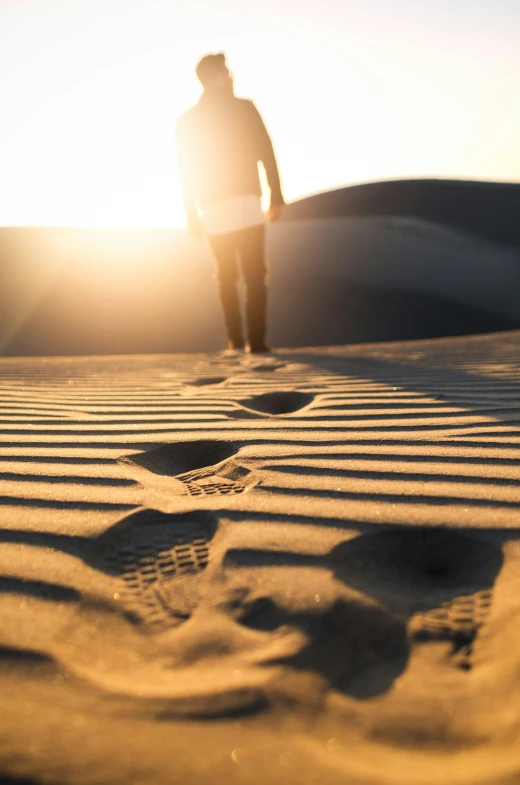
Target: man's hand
275,213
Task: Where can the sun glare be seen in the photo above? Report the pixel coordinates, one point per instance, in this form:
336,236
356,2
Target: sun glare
92,91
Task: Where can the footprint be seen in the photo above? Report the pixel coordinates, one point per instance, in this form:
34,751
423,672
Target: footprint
207,381
440,580
197,468
457,622
426,584
152,634
345,637
159,559
274,365
275,403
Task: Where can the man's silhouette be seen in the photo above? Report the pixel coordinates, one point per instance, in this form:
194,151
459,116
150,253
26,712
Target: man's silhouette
219,142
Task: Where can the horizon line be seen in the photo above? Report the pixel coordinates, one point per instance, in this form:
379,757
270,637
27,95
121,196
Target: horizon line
182,227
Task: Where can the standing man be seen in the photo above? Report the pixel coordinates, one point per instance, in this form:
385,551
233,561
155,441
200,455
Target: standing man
219,142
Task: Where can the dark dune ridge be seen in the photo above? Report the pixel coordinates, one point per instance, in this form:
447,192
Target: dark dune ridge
398,260
360,313
489,210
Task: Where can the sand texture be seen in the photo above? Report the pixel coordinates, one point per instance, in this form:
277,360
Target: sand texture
298,568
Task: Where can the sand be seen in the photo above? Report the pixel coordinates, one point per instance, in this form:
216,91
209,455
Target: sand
333,280
295,568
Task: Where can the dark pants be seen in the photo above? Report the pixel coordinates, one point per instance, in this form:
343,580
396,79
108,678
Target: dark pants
249,245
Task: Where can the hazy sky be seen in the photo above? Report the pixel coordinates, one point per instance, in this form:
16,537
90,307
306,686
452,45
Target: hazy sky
350,90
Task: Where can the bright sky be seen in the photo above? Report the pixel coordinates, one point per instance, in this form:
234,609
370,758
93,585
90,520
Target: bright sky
350,90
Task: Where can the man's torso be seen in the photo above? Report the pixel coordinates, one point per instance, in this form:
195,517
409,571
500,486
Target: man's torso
221,143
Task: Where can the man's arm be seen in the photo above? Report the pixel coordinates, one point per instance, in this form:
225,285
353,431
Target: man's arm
185,166
267,156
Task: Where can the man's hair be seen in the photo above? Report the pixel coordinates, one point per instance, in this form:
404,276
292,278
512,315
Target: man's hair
208,66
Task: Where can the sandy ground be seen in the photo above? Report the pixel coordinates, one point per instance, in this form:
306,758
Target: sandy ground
299,568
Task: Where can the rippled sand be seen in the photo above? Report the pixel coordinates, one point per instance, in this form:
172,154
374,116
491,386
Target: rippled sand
297,568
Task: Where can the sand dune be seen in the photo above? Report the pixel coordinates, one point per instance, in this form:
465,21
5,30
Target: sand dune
293,569
372,278
382,261
486,209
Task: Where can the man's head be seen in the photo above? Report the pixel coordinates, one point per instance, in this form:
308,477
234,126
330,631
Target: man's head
213,73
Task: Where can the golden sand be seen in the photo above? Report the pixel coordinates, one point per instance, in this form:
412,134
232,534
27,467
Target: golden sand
297,568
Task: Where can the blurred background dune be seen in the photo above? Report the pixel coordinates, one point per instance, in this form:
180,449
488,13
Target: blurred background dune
382,261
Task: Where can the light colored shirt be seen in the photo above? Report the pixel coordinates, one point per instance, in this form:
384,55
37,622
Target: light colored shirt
232,214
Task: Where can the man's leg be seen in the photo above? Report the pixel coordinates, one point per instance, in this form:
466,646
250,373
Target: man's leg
224,253
251,245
